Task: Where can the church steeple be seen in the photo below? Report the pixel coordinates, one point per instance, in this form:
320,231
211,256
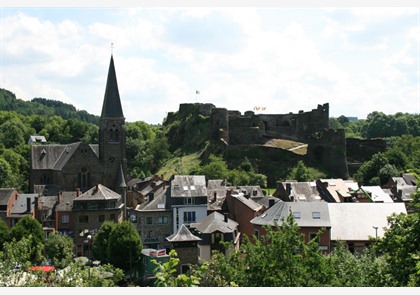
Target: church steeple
111,107
112,141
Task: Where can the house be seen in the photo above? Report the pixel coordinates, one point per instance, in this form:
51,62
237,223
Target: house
356,224
36,139
44,212
242,210
333,190
138,189
64,216
153,219
373,194
185,245
24,205
91,209
212,230
188,199
311,217
216,195
81,165
8,197
294,191
402,189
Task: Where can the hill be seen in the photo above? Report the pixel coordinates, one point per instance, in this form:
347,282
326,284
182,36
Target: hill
43,106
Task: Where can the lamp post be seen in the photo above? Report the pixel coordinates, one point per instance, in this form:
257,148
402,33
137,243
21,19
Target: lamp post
89,239
376,231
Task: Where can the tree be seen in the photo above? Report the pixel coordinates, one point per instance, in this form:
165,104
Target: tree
166,274
124,246
30,227
300,173
100,242
59,249
400,245
215,169
4,233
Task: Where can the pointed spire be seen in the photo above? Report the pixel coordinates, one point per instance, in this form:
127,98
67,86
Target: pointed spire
121,179
112,103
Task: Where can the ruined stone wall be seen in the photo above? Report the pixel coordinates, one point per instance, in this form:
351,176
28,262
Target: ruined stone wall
328,147
252,128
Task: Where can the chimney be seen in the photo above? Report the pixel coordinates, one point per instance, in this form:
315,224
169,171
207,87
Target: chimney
271,203
59,197
151,196
225,217
28,204
288,188
359,184
214,197
77,191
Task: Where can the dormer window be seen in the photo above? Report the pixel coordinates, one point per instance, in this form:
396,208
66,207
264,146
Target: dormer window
296,215
189,201
316,215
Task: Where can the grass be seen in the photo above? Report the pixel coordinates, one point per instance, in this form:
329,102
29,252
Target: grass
180,165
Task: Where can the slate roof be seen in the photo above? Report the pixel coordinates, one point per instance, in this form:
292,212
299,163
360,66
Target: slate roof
47,203
355,221
215,222
247,202
216,193
66,203
281,210
111,107
378,194
5,194
304,191
55,156
183,235
188,186
98,192
21,206
158,203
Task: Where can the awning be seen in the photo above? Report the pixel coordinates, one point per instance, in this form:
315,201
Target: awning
44,268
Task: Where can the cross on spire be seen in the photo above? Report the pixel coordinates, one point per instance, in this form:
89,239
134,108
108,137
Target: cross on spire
112,48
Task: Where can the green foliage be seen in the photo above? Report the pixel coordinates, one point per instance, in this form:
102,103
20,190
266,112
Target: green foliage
100,243
166,274
400,246
124,246
30,227
4,233
300,173
59,249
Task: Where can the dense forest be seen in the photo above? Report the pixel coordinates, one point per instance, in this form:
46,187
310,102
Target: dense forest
182,146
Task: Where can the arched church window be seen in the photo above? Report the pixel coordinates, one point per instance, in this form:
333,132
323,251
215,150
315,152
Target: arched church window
114,134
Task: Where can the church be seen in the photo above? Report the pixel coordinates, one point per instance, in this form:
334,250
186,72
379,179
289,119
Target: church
79,165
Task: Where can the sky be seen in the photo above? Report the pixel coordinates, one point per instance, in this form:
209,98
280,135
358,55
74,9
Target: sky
271,59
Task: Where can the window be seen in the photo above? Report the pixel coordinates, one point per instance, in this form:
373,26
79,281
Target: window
101,218
65,219
316,215
216,237
149,220
150,234
189,217
112,217
296,215
314,236
163,220
83,219
189,201
256,233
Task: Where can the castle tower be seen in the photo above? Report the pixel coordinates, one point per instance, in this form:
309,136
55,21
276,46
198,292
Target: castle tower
112,146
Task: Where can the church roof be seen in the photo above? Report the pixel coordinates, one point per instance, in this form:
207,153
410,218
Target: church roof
55,156
111,107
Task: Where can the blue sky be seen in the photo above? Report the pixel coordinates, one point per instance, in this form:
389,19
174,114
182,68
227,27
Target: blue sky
357,59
